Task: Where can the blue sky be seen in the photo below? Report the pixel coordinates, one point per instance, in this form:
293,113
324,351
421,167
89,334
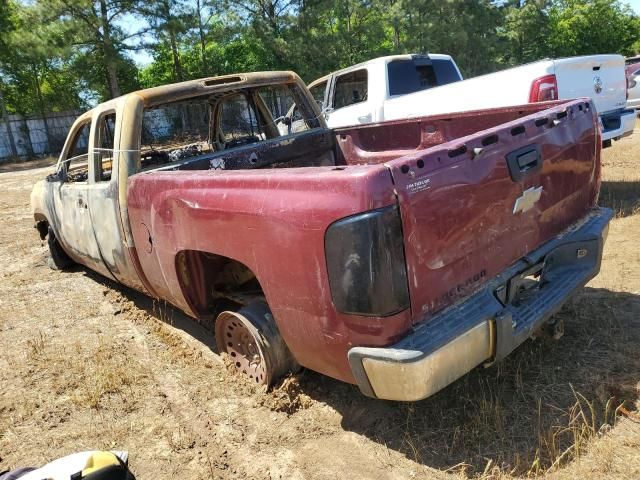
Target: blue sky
635,4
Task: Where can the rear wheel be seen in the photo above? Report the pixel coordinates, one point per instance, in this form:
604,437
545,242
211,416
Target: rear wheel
251,339
58,258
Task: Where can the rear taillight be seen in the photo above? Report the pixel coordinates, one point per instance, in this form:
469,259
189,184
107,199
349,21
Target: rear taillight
366,263
628,86
544,89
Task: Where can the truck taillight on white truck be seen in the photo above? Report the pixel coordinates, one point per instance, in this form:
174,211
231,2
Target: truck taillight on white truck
544,89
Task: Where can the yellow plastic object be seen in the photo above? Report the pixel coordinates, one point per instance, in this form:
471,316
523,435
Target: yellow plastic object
98,461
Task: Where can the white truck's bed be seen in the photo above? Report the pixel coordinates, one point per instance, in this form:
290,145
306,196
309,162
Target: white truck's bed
599,77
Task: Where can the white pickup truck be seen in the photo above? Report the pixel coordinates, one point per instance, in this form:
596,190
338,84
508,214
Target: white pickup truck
358,94
397,87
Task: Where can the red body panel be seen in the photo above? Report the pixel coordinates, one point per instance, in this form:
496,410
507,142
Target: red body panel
274,222
457,214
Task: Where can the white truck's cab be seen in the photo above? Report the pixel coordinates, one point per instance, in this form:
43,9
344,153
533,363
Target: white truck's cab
357,94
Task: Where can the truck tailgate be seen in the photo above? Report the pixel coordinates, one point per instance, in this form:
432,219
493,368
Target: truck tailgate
601,77
475,205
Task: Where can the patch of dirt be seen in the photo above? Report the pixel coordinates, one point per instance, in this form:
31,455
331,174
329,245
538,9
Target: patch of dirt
288,396
86,364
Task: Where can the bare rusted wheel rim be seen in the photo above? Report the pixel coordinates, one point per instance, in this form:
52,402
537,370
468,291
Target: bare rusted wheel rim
243,345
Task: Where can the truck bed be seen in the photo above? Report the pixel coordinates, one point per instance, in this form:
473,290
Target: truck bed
368,144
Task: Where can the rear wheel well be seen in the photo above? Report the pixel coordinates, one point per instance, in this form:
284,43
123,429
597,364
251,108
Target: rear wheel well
212,283
226,292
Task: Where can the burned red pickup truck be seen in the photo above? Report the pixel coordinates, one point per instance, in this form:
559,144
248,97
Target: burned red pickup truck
397,256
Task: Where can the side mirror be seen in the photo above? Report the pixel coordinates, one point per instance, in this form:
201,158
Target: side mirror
60,175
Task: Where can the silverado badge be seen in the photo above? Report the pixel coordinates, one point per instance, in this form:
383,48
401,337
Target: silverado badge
597,84
527,200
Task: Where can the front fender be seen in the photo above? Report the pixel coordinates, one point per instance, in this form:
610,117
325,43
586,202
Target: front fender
38,209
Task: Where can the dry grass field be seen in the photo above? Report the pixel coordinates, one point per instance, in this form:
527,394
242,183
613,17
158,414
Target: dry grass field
87,364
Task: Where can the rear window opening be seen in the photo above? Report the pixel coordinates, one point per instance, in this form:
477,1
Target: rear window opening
104,153
202,130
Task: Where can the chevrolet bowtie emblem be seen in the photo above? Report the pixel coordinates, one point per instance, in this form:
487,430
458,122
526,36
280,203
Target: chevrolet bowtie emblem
527,200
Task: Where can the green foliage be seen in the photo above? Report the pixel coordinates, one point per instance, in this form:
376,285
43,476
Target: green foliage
91,73
62,54
34,68
592,26
526,31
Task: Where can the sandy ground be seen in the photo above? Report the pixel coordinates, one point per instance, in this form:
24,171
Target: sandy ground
86,364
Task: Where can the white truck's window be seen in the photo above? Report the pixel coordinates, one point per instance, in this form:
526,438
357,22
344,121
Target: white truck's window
409,76
75,164
405,76
351,88
446,71
318,92
103,153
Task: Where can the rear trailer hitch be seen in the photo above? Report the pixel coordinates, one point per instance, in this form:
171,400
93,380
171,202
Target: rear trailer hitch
553,328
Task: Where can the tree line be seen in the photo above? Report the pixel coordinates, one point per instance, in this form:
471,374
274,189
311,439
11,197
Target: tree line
58,55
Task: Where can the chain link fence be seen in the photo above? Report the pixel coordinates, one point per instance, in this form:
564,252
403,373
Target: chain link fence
32,137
